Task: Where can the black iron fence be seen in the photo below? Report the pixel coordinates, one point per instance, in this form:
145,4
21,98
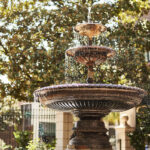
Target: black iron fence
40,121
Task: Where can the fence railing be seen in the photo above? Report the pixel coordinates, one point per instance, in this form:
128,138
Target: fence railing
40,121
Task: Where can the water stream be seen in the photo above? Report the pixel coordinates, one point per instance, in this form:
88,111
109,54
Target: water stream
89,14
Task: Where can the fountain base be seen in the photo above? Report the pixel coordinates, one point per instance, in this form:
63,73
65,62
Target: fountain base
89,132
90,102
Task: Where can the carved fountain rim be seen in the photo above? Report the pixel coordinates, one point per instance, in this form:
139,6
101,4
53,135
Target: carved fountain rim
110,52
90,86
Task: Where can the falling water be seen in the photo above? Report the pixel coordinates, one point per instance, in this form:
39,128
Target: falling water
89,14
74,72
76,41
66,67
70,69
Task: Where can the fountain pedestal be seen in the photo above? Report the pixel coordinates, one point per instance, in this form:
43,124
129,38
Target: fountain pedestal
90,102
89,132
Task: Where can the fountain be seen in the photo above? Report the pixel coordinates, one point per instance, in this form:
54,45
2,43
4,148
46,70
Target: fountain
90,102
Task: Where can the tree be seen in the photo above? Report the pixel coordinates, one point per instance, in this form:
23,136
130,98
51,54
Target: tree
141,135
112,118
9,115
22,138
35,34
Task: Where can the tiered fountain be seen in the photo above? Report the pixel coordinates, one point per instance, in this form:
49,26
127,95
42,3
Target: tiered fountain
90,102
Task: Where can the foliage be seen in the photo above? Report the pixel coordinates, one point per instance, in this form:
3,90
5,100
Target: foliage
9,115
112,118
34,35
22,138
39,145
5,146
141,136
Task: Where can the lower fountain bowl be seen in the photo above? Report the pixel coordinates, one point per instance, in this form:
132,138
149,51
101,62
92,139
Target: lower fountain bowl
96,97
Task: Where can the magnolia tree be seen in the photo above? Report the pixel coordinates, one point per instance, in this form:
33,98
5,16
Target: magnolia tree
34,35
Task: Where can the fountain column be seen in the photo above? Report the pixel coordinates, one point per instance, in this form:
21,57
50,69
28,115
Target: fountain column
89,132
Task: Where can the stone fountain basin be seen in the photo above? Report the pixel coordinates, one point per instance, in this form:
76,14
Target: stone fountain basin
110,97
89,29
96,54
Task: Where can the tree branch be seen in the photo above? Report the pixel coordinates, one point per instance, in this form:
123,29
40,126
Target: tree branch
4,48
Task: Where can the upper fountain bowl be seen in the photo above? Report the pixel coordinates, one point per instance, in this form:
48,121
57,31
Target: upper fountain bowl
90,29
97,97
